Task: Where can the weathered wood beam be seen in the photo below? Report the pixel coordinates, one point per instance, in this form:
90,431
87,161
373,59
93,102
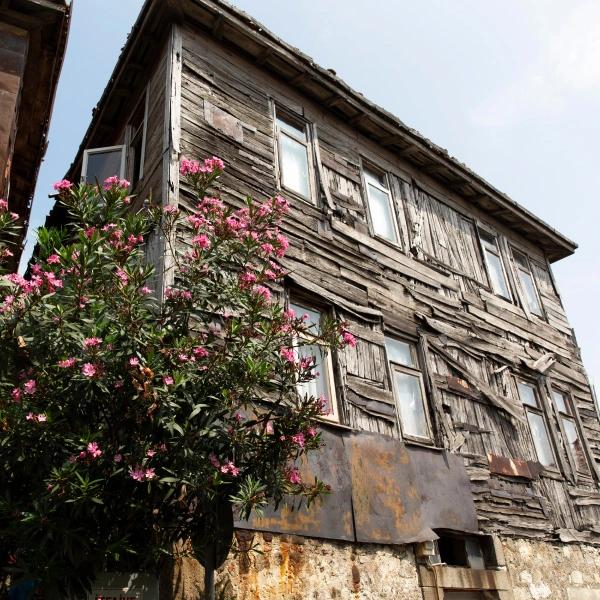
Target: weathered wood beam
390,140
297,79
409,151
333,100
217,28
264,56
357,119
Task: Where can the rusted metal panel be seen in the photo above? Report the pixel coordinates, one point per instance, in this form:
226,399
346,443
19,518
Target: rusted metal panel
445,490
385,492
514,467
329,518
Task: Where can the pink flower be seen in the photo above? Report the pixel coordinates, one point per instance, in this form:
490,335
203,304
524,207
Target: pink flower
145,290
124,278
150,453
201,240
94,450
134,361
115,182
3,205
64,185
89,370
283,244
170,209
200,352
29,387
348,339
247,279
30,416
53,259
293,476
118,458
323,405
229,468
149,473
67,363
269,430
168,380
92,342
41,418
137,474
214,461
311,432
299,440
288,354
262,291
183,357
16,395
267,248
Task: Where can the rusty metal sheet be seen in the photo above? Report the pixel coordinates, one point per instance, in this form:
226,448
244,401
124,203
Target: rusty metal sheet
385,492
445,490
329,518
514,467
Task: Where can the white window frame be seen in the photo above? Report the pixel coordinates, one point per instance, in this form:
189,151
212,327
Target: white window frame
570,416
414,371
367,175
89,151
298,123
528,270
326,369
488,268
130,136
538,409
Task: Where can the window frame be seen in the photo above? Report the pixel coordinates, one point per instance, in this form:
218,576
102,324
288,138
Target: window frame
484,250
298,122
131,136
571,416
327,365
414,371
368,168
518,269
538,410
100,150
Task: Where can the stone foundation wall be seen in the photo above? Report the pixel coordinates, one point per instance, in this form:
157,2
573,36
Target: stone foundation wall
540,570
295,568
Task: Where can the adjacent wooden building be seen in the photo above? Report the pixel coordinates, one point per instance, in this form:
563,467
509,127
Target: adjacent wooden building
33,37
463,444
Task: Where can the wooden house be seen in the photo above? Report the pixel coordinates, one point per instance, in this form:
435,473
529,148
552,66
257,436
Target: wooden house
463,445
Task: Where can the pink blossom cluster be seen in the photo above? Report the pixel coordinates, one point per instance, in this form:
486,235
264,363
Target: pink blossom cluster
293,475
40,280
3,205
7,304
348,339
62,186
192,167
91,452
90,370
227,467
67,363
92,342
140,474
36,418
175,294
115,182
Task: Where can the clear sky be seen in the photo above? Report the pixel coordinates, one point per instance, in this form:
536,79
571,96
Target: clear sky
509,87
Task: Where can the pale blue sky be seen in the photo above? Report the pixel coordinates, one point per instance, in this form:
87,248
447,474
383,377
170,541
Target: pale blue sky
510,87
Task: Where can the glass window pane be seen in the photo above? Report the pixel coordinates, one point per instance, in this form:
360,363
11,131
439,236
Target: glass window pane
499,284
527,394
541,441
399,352
102,165
381,213
560,401
521,261
411,405
488,240
378,179
294,165
297,132
530,292
575,445
314,316
319,386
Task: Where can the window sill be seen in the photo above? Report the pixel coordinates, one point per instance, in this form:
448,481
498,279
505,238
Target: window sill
408,441
335,425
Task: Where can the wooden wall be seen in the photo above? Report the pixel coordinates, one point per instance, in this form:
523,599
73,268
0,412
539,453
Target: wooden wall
433,289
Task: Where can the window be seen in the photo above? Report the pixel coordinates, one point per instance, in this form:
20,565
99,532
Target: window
137,142
323,384
527,282
537,424
381,206
101,163
495,266
407,382
293,156
564,406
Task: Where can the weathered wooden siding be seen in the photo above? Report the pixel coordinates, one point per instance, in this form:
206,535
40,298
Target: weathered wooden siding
432,288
